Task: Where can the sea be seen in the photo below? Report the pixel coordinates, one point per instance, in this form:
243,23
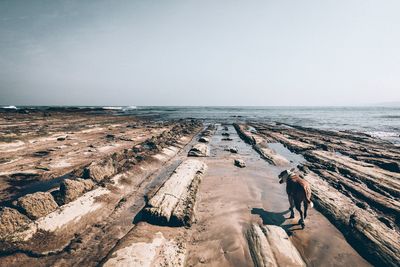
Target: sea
381,122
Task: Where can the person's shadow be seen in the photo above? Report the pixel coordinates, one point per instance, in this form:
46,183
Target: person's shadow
275,218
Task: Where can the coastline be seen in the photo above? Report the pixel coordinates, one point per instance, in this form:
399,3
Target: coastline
140,154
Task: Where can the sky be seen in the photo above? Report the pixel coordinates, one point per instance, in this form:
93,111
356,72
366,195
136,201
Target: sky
218,53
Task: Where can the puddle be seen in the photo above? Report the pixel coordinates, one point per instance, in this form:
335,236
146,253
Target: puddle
294,158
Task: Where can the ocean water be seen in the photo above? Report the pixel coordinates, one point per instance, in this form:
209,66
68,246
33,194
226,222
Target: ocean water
382,122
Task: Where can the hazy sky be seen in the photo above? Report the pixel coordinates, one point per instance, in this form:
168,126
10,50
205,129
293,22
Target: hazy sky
199,52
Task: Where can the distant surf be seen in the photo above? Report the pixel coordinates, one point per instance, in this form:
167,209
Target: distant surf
9,107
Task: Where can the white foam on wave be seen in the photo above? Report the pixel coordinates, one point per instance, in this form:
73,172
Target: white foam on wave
130,107
9,107
383,134
113,108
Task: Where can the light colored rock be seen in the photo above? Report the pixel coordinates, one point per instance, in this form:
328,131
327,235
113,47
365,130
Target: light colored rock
199,150
37,205
261,146
72,211
98,171
72,189
158,252
173,203
270,155
11,221
167,153
240,163
260,249
269,245
371,234
65,215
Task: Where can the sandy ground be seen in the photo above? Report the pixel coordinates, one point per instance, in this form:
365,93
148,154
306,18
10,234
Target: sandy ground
230,198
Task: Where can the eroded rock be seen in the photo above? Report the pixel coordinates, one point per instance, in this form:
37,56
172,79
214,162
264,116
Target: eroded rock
380,243
11,221
37,205
269,245
239,163
204,139
157,252
233,150
98,171
72,189
199,150
173,203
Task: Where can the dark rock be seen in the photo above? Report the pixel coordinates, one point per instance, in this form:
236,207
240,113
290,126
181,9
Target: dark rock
239,163
204,139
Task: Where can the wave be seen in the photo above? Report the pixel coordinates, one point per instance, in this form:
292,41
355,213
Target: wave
129,108
382,134
9,107
112,108
124,108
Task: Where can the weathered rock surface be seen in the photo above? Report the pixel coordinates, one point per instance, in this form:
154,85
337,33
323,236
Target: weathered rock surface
260,145
379,243
269,245
356,186
72,189
98,171
173,203
37,205
11,221
157,252
199,150
209,131
240,163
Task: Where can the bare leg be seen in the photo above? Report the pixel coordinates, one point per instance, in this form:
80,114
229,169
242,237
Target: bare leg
291,203
301,221
305,209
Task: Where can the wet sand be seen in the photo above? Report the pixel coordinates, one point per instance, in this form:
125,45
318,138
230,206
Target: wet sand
230,198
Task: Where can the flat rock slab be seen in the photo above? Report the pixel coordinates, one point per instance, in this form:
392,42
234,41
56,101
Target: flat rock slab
199,150
157,252
173,203
269,245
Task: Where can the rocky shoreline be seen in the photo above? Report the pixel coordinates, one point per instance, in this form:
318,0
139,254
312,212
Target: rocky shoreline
355,181
99,189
